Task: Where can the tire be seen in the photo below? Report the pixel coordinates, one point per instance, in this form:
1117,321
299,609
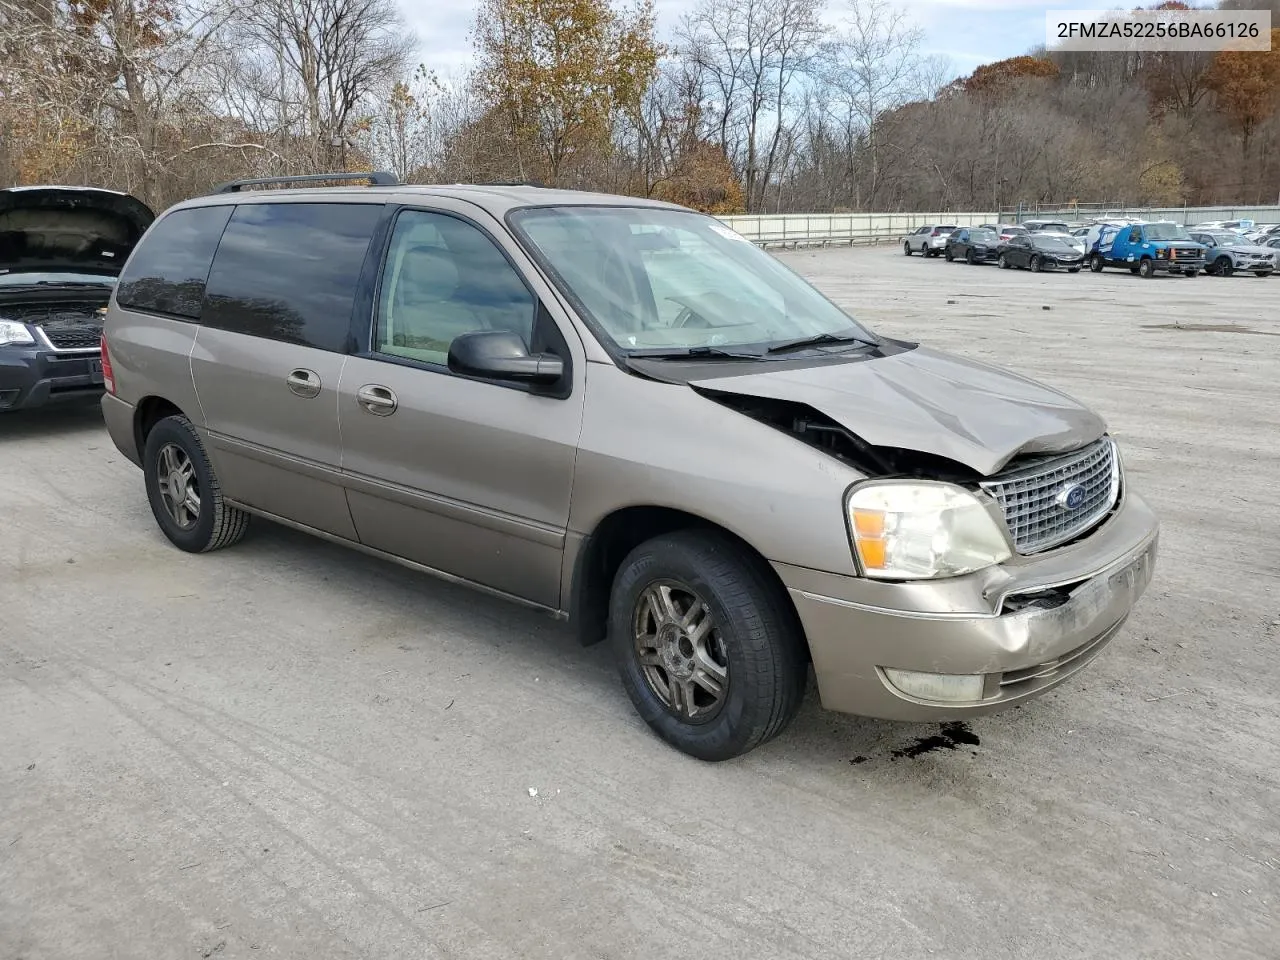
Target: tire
1034,264
1262,273
1224,266
214,524
1095,263
968,257
906,248
1002,263
947,255
1073,269
1192,273
1146,268
756,640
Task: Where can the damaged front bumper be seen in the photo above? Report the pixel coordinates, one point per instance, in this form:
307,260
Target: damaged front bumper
964,646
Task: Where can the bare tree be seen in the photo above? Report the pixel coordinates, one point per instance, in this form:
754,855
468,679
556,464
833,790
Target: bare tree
873,66
317,62
753,57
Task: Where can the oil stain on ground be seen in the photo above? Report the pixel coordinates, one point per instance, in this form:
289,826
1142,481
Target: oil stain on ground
950,736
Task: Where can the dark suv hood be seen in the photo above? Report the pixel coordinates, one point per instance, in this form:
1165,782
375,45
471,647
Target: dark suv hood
932,402
69,228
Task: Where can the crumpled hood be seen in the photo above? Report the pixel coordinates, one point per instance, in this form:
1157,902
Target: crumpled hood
932,402
69,228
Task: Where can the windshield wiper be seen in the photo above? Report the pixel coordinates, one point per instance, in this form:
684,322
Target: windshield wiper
817,340
694,353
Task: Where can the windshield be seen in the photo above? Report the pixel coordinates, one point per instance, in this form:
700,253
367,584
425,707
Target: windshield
1227,239
1167,231
655,278
19,278
1052,227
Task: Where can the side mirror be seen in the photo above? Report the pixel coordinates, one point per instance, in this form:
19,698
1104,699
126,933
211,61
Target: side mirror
502,355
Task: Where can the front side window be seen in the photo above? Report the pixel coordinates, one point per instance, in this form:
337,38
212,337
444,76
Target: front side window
289,271
655,279
167,272
442,278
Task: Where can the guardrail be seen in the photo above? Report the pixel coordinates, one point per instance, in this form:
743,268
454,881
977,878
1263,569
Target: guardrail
820,229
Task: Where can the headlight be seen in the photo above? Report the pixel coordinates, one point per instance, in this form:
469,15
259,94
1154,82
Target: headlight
919,530
11,331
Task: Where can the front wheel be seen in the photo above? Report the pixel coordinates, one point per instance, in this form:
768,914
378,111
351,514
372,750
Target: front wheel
968,257
1262,273
1002,262
906,248
1146,268
1225,267
1073,269
948,255
1192,273
1034,264
184,494
708,647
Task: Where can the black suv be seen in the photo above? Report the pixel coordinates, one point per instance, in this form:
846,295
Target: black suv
61,249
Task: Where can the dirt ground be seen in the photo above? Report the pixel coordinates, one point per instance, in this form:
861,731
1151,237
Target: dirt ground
289,750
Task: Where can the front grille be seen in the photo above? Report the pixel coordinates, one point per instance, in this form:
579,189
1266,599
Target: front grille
1035,499
70,339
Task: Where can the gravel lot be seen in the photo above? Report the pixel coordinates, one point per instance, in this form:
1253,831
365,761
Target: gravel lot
287,749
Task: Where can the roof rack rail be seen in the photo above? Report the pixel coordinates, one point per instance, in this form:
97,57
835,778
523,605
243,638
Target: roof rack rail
509,183
377,178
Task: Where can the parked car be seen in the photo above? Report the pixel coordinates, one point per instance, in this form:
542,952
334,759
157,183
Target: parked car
1228,252
1047,226
1239,226
929,240
1037,252
972,245
1147,249
1076,243
1273,242
1006,230
493,384
1263,232
60,251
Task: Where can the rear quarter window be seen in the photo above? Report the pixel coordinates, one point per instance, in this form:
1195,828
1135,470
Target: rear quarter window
167,272
289,271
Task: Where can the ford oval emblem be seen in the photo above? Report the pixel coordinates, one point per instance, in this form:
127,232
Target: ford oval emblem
1070,497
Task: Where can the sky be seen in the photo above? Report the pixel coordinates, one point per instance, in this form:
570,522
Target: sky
967,32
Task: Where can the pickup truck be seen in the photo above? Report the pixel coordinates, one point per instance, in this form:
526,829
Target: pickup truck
1147,249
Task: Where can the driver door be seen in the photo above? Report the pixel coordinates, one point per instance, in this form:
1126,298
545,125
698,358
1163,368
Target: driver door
464,475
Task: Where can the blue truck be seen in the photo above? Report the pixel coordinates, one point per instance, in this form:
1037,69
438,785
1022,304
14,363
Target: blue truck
1147,249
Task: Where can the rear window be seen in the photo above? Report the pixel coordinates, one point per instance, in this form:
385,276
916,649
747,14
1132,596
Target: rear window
167,272
289,271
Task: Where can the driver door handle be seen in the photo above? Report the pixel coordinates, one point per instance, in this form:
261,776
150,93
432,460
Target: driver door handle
377,399
303,383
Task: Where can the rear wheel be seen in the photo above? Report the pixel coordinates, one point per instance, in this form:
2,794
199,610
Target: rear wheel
184,494
1146,268
707,645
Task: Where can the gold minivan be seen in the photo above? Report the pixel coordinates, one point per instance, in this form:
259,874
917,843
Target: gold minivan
623,413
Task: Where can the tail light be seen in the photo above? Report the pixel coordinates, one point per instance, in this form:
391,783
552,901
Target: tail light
108,380
935,232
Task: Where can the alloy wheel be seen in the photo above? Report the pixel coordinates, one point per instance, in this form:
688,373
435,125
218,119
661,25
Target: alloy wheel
678,647
179,487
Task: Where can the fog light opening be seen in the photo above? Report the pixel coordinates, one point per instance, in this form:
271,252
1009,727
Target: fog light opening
939,687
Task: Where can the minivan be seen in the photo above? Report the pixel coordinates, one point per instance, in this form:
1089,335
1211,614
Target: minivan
623,413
